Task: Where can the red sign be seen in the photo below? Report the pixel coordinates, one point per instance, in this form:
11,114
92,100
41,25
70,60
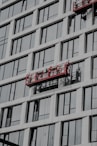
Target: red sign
82,4
50,73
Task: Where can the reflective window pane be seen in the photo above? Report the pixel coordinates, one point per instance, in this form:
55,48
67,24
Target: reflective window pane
44,58
43,136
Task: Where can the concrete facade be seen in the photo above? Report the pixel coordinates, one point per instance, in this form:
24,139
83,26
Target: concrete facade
79,87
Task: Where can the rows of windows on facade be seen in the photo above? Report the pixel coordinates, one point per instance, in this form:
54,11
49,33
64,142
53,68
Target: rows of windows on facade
71,134
66,102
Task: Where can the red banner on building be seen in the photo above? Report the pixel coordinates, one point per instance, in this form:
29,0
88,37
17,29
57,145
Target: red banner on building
48,74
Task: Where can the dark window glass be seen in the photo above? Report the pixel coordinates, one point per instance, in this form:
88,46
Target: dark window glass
49,12
47,34
95,15
4,31
66,103
78,72
44,58
71,24
38,110
11,116
72,132
23,23
43,136
13,68
24,43
13,91
90,98
14,137
70,49
93,131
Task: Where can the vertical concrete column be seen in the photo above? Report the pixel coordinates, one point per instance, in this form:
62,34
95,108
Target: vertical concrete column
65,27
26,137
53,107
29,63
8,50
23,113
61,7
87,69
79,97
57,53
85,131
81,44
57,137
37,38
34,20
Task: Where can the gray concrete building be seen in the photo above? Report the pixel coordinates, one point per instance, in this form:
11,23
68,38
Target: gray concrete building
48,72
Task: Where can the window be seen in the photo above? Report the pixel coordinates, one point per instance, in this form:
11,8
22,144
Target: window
23,23
91,42
42,136
90,98
68,4
93,131
13,68
49,12
38,110
78,22
44,58
14,137
17,8
23,43
70,49
4,31
77,72
13,91
11,116
72,132
95,67
11,10
47,34
66,103
95,14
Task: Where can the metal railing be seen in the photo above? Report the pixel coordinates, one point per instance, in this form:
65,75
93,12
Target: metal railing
78,5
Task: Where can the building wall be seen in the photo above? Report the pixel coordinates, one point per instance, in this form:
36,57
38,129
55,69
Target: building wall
60,27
